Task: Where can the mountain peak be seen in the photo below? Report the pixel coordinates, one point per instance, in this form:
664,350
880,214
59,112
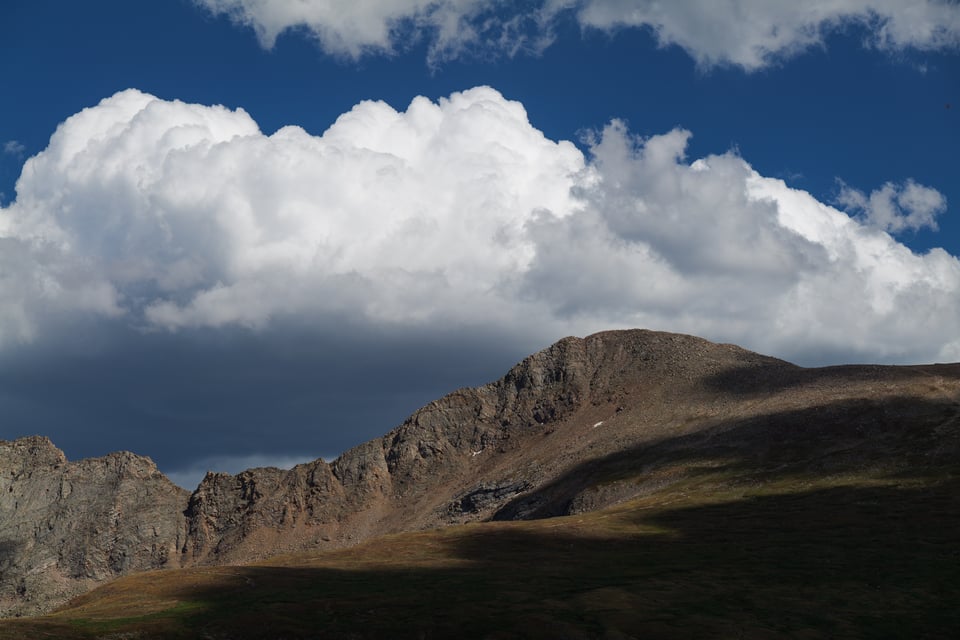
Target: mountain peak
32,450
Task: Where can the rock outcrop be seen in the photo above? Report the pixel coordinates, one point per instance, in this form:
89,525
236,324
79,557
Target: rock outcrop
580,425
68,526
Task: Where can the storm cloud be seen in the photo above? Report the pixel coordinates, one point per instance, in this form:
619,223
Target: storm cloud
171,269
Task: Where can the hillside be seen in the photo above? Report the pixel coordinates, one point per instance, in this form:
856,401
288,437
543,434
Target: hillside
643,440
852,556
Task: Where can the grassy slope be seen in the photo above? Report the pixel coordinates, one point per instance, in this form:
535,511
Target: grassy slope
718,555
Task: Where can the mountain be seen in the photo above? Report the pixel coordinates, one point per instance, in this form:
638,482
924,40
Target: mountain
67,526
582,427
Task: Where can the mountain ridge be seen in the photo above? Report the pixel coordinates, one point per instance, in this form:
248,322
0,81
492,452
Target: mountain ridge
581,425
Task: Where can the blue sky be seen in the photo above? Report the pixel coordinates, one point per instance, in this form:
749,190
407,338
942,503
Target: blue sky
778,177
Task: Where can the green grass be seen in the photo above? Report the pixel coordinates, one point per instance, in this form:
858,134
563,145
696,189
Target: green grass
847,556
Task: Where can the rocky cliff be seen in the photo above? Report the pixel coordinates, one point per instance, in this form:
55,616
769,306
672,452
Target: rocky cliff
68,526
581,425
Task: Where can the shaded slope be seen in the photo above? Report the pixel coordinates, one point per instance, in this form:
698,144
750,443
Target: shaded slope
854,557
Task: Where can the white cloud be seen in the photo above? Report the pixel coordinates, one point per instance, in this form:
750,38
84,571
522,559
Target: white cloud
716,249
13,148
747,33
352,29
457,214
894,209
194,218
755,33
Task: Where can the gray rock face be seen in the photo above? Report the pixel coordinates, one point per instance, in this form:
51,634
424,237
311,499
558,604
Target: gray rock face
486,495
67,526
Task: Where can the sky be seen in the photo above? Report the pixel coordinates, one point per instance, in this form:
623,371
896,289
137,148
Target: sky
255,232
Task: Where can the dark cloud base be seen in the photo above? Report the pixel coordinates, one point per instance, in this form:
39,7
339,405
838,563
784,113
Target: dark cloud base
293,391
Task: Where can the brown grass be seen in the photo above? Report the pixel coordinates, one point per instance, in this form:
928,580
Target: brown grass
846,556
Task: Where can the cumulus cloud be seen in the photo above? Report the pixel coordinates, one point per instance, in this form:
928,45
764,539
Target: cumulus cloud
457,213
895,209
747,33
188,216
714,248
